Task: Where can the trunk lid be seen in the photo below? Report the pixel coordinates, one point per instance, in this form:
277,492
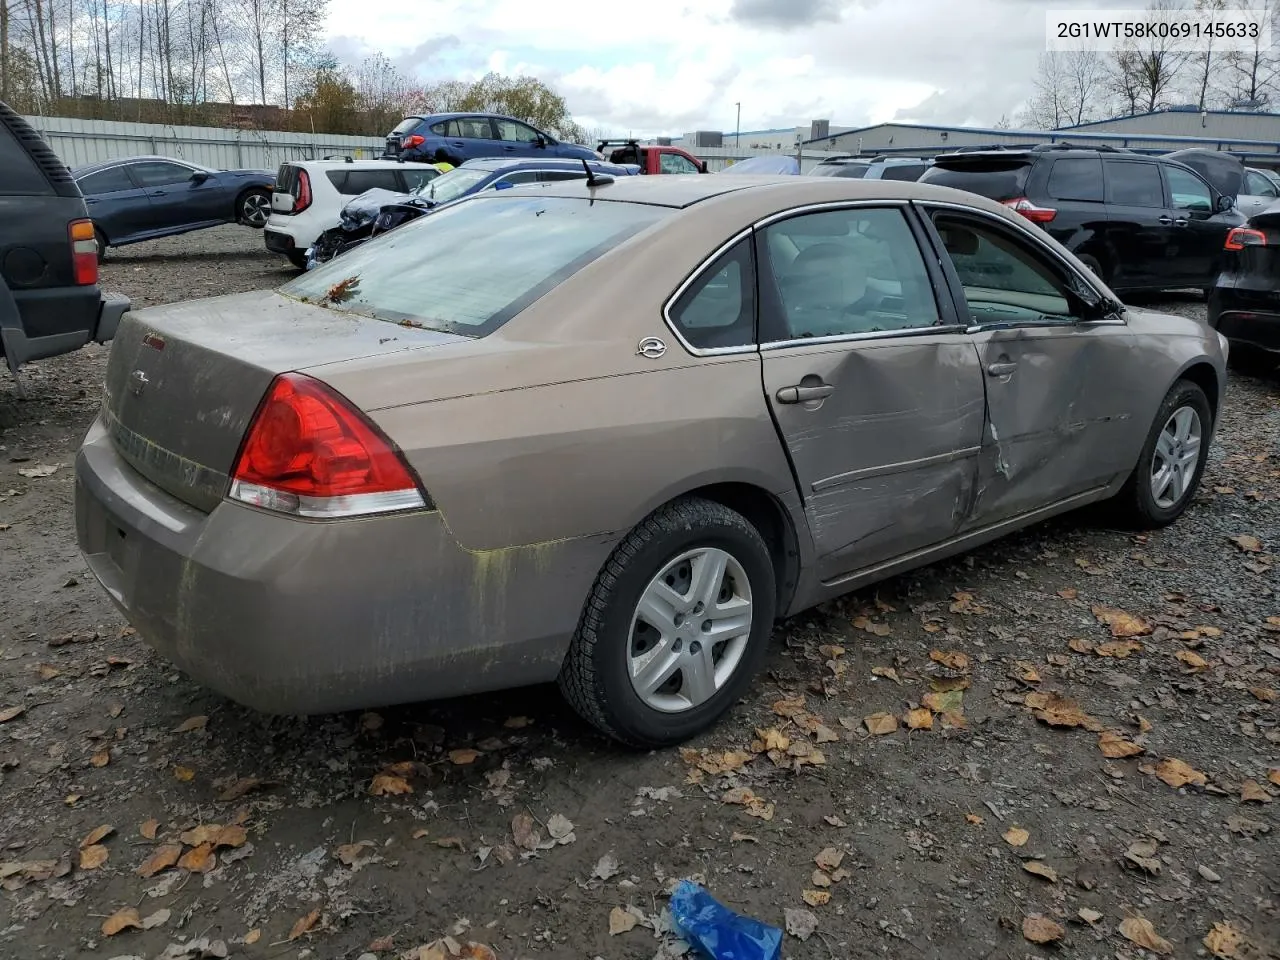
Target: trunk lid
1222,170
184,381
285,192
996,174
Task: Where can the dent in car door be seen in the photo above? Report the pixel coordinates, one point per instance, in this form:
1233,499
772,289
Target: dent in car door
1058,405
876,392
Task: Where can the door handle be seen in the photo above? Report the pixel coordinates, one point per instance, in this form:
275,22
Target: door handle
1165,221
802,394
1180,222
158,193
1001,369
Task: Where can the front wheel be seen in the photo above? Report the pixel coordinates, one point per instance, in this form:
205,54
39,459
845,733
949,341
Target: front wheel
675,626
1172,460
253,208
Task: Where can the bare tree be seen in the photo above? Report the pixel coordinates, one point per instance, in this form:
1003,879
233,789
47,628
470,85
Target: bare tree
1253,76
1068,90
1141,74
1205,66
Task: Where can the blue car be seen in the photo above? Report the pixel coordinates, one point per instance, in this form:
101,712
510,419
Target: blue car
142,198
458,137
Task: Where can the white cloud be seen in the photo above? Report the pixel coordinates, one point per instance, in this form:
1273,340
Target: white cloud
669,66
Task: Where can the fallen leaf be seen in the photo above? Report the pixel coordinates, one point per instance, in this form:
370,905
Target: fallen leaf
1041,870
1274,775
1016,837
1119,649
1246,542
420,833
97,835
1069,593
829,858
769,740
964,603
388,784
1176,773
1059,711
205,833
162,858
974,819
951,659
620,921
607,867
1115,747
191,724
1142,853
92,857
1122,624
921,718
560,829
1088,916
38,471
1193,661
948,702
1264,694
351,853
252,937
11,713
517,723
157,919
183,774
1025,672
524,833
1251,792
101,758
789,708
199,859
149,829
948,684
1038,929
887,672
123,919
879,724
477,951
800,923
1140,931
453,843
464,757
737,837
1081,645
304,925
875,629
816,898
1224,940
48,671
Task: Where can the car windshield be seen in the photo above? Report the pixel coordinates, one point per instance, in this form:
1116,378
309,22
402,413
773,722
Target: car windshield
471,268
451,185
839,170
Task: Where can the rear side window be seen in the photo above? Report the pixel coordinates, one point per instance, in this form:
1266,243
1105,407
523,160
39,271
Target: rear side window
1134,184
405,125
1076,178
18,172
111,180
478,263
351,183
439,128
286,178
994,179
719,308
417,176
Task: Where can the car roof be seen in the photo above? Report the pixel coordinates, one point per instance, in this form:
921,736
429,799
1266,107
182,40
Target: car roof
457,115
376,163
551,163
120,161
780,190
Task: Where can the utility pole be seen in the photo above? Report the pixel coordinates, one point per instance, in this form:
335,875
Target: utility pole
737,127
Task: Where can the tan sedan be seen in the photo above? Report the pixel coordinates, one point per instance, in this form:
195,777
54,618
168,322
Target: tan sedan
609,433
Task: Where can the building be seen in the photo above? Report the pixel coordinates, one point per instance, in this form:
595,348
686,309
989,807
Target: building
1191,121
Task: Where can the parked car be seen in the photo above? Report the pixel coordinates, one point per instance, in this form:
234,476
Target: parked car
309,196
50,302
458,137
1257,193
143,198
1138,222
1244,304
534,436
378,211
651,158
873,168
763,165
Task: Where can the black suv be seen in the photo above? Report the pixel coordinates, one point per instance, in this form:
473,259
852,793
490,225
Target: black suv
49,297
1138,222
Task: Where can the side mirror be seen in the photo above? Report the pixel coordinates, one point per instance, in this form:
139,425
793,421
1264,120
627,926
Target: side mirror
1225,204
503,185
199,177
702,167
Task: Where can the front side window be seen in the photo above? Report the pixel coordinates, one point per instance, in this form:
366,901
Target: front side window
674,163
1004,279
1188,191
514,132
159,173
842,272
719,308
1133,184
470,268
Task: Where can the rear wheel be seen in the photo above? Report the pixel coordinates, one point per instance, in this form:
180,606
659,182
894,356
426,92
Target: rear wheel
1172,460
100,239
1093,264
675,626
253,207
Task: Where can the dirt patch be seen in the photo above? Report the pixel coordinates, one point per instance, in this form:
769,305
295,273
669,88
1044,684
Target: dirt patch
1051,739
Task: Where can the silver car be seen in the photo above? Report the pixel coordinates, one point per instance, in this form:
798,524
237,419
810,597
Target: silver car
607,432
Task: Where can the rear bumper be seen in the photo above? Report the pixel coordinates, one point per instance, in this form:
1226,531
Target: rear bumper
1246,314
301,617
61,320
278,242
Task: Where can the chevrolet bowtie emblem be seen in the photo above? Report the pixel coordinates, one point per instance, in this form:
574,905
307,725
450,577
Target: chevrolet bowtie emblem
137,382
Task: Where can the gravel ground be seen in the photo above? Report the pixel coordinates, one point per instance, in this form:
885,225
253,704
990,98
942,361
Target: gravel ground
1110,793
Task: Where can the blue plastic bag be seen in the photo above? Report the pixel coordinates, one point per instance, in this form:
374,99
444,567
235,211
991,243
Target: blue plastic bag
720,933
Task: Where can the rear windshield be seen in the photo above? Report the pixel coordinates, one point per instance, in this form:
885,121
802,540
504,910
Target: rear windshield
405,125
840,169
902,171
287,179
470,268
995,179
451,185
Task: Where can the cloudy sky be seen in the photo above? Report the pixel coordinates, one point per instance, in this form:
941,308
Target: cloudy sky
670,66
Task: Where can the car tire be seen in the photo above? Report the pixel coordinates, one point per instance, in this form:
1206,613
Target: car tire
253,208
1139,504
298,258
100,239
1094,265
674,544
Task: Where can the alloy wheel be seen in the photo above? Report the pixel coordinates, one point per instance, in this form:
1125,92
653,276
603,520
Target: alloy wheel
1176,458
255,209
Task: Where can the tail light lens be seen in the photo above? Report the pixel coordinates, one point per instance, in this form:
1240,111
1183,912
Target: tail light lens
415,141
310,453
84,252
303,198
1032,212
1241,237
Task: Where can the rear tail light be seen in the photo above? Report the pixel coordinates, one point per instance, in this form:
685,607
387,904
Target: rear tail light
310,453
415,141
1241,237
1032,212
84,252
303,199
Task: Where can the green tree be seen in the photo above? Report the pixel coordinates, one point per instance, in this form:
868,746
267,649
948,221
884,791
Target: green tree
329,102
525,98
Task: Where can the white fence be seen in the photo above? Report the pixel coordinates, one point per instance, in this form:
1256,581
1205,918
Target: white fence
79,142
